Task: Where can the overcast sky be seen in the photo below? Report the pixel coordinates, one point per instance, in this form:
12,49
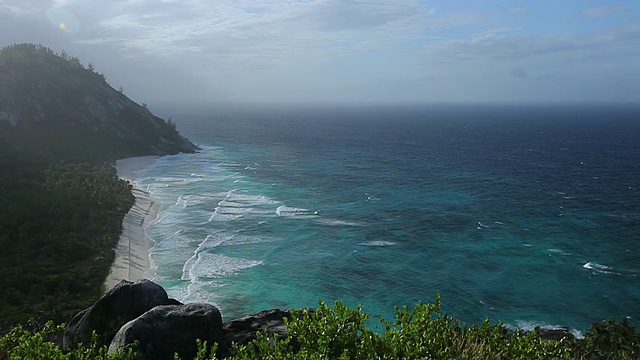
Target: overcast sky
344,50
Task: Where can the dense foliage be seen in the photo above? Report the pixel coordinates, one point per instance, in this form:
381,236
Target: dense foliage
59,224
427,333
20,343
341,333
25,54
61,203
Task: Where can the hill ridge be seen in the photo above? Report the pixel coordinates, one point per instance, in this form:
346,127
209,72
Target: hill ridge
43,91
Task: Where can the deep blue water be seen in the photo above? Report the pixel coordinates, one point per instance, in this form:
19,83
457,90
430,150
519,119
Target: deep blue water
527,214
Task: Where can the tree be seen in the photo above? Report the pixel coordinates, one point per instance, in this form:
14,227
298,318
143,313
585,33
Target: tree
171,123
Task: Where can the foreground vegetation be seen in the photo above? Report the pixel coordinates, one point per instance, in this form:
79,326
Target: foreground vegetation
339,332
58,228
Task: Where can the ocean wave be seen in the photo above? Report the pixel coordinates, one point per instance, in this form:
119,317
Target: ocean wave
217,265
211,241
599,268
195,291
287,211
379,243
235,206
371,197
225,203
232,210
532,325
216,216
481,226
247,240
559,252
181,203
248,199
331,222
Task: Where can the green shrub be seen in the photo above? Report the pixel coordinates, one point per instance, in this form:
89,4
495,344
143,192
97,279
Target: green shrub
426,333
22,344
609,340
340,332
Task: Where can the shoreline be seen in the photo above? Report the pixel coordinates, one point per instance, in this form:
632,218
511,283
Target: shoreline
132,260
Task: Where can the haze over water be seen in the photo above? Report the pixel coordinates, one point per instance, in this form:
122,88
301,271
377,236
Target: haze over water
527,214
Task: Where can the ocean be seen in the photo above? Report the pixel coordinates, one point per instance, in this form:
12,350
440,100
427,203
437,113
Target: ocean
525,214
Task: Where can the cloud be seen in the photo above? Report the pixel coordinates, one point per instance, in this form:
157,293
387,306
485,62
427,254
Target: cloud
244,34
557,67
605,11
332,49
622,41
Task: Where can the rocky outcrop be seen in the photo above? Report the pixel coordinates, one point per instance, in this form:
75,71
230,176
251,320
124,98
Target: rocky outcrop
242,331
554,334
142,313
125,302
165,330
44,93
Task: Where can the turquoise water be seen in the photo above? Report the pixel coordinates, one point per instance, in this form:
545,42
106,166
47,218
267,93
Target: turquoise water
520,214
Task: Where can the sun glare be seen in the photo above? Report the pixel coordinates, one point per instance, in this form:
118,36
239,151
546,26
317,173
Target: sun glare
63,19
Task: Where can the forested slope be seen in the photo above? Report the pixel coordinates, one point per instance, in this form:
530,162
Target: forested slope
59,224
61,204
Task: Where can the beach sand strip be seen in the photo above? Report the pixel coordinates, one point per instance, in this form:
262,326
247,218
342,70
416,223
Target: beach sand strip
132,252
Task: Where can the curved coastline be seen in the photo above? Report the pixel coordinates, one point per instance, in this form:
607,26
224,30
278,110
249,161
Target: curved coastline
132,260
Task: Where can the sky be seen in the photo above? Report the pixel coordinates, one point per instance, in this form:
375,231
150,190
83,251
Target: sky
389,51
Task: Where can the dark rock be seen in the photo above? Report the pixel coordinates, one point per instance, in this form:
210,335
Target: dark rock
554,334
165,330
125,302
243,331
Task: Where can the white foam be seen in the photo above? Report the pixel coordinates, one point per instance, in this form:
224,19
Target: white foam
178,293
232,210
248,199
210,242
197,293
246,240
371,197
599,268
180,204
559,252
531,326
287,211
235,205
217,265
378,243
192,180
337,222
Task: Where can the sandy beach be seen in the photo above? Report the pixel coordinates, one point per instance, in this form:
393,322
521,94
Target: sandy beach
132,252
